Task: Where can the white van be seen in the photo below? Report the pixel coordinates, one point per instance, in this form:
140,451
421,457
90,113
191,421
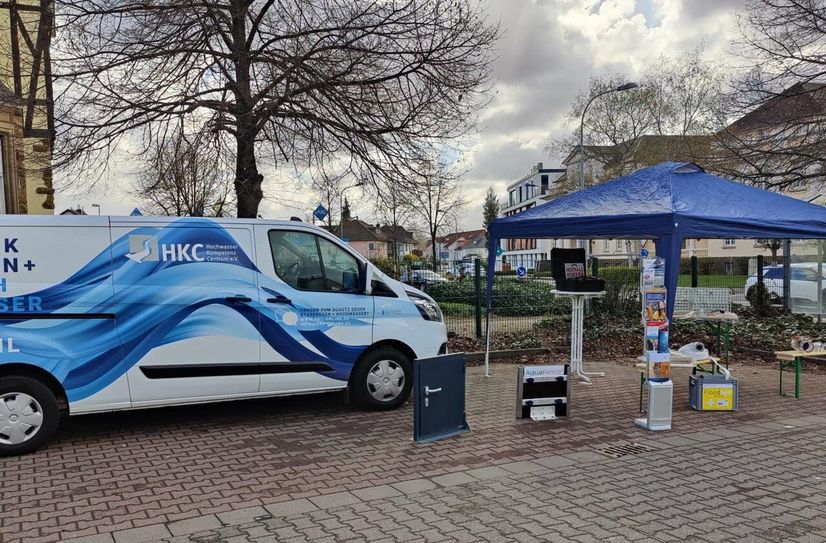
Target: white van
109,313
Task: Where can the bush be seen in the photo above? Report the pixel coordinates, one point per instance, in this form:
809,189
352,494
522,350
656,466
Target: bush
387,266
760,300
510,297
622,290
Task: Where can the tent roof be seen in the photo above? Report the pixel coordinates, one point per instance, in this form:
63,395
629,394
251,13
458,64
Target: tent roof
668,199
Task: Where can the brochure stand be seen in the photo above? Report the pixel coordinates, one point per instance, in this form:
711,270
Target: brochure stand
657,354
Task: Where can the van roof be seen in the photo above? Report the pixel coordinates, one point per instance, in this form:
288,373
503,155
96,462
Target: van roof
104,220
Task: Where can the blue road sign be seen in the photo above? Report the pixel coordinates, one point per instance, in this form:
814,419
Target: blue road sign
136,213
644,252
498,251
521,271
320,212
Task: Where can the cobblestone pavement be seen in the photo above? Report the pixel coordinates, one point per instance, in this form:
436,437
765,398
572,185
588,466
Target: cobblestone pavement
311,469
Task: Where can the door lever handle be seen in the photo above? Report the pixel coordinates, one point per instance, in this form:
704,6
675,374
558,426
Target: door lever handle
238,299
279,300
428,390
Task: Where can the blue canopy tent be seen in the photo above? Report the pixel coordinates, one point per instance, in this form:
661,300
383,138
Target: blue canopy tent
668,203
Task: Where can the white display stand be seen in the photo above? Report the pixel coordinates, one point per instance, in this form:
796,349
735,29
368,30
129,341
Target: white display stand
577,325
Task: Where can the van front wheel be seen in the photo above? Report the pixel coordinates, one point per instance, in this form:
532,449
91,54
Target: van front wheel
29,415
382,379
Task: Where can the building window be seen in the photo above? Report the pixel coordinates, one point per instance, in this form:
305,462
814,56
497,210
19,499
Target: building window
371,246
512,197
728,243
618,245
544,184
606,245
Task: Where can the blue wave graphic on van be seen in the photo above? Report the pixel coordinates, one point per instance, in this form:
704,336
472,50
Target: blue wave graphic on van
174,287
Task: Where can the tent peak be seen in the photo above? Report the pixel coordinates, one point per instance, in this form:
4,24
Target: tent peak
688,167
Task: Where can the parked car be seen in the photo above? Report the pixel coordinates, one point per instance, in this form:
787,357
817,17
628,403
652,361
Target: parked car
423,277
110,313
803,281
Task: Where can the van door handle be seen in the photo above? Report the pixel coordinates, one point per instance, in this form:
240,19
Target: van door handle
279,300
238,299
428,390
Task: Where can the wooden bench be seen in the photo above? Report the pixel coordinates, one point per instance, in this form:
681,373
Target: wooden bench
794,360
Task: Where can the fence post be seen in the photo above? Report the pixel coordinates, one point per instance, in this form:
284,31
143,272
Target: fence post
787,274
694,281
594,266
759,269
477,278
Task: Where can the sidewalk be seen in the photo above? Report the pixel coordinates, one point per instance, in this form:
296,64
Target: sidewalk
154,475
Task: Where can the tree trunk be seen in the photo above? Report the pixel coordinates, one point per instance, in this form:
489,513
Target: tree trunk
247,179
433,245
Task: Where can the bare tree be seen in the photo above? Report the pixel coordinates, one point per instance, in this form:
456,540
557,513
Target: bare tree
328,187
772,245
679,97
289,81
395,208
437,199
778,140
188,175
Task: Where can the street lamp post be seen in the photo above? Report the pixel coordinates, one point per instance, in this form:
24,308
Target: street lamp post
97,206
624,87
341,207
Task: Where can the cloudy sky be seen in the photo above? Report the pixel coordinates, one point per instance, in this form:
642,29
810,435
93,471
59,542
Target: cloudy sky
548,51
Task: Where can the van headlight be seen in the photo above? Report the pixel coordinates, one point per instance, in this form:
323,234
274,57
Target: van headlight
428,309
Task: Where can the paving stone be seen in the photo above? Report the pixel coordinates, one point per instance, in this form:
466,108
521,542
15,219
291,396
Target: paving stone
524,466
490,472
142,534
194,525
241,516
381,492
326,501
554,462
98,538
453,479
414,486
292,507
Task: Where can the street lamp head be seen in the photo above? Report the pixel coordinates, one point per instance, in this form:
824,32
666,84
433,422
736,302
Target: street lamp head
626,86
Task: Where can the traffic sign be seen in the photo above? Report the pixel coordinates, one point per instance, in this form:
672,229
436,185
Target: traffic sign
521,271
320,212
644,252
498,251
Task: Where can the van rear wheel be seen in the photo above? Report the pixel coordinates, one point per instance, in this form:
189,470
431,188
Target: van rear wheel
382,379
29,415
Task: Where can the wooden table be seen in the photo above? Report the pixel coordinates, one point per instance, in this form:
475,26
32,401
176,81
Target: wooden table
794,360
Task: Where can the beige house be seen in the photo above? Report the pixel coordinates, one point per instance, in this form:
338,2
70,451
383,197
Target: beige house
26,113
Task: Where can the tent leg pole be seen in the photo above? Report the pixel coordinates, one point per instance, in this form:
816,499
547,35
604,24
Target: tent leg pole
487,344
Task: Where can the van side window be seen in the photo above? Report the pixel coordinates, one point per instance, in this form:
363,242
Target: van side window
309,262
296,259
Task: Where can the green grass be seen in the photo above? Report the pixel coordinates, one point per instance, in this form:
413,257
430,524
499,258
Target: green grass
719,281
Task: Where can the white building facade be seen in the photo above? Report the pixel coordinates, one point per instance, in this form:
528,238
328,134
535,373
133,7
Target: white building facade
529,191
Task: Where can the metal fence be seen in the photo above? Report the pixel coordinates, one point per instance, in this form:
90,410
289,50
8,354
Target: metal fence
523,304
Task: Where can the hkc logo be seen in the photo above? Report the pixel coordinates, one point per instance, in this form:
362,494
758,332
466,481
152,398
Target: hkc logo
144,248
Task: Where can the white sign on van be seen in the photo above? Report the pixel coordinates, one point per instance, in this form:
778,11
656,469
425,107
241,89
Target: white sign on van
535,372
